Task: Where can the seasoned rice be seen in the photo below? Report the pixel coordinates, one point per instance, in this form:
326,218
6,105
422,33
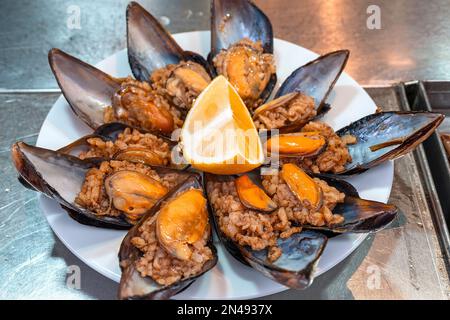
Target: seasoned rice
181,89
129,138
161,266
304,213
261,230
93,196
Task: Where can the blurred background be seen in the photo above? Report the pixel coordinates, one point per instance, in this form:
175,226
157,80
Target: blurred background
408,41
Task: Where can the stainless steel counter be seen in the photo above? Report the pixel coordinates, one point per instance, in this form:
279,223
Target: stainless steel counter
403,261
411,44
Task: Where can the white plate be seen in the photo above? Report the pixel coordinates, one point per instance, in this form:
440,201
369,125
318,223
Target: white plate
229,279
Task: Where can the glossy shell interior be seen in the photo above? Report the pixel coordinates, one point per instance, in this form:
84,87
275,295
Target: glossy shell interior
132,284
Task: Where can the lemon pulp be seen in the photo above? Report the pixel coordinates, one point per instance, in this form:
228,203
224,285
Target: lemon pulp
219,135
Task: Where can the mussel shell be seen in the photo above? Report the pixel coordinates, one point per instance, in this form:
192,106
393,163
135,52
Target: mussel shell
360,215
109,132
25,184
301,252
132,284
60,177
295,267
80,145
151,47
112,130
316,78
106,132
234,20
87,89
409,129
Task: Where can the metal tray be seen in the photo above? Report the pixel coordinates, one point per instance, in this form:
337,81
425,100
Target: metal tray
434,96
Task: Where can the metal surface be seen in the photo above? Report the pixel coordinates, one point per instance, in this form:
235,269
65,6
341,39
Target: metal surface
411,44
403,261
432,96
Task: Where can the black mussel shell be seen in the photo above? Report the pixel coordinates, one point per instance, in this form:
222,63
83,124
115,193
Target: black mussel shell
316,78
87,89
386,136
132,284
151,47
234,20
110,132
295,267
360,215
80,145
60,177
106,132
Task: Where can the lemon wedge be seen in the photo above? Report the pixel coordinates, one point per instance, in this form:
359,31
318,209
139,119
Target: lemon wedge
218,135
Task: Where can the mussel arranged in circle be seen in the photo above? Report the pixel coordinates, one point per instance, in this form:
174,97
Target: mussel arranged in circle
118,141
386,136
357,147
123,175
154,56
274,223
296,135
242,49
168,79
177,232
302,96
95,191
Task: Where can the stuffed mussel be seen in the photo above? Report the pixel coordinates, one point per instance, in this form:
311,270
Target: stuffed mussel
127,173
118,141
242,49
357,147
95,191
168,79
154,56
296,135
302,96
170,247
274,222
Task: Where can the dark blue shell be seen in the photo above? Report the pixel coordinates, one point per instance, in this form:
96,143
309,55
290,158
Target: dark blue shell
301,252
60,177
132,284
316,78
150,46
87,89
234,20
401,132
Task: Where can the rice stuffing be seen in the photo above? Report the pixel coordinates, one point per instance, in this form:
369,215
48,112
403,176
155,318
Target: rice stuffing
129,138
161,266
260,231
93,196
